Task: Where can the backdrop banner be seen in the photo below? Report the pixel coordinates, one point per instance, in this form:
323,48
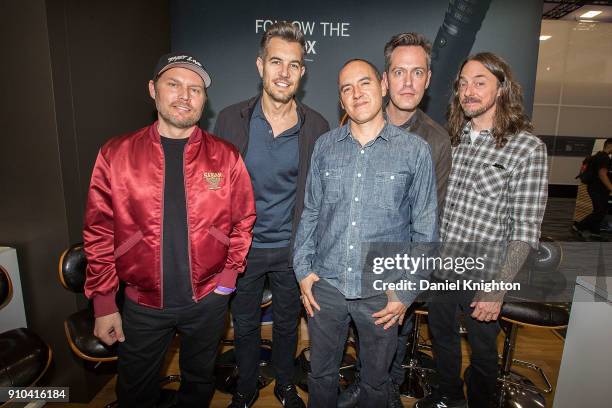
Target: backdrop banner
225,36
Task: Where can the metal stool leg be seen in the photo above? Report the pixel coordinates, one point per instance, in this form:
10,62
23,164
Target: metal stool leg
516,390
226,368
417,378
346,372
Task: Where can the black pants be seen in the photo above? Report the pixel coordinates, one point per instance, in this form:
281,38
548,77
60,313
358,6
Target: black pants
397,371
482,336
246,315
148,334
592,222
328,329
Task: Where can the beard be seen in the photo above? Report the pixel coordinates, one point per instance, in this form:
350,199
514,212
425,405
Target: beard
276,95
179,122
473,113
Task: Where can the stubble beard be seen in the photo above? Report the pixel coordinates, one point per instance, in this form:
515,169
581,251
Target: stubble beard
184,123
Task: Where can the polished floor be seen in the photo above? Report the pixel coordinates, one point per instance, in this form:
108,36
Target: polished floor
542,347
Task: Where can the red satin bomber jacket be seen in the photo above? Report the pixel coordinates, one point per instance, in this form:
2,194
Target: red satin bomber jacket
123,218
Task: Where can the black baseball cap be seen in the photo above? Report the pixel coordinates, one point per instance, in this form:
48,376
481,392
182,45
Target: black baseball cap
181,60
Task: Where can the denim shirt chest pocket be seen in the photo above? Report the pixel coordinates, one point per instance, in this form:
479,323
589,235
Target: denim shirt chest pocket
330,182
389,189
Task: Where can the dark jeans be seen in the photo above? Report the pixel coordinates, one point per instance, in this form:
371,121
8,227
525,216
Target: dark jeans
328,330
482,336
246,315
592,222
397,371
148,334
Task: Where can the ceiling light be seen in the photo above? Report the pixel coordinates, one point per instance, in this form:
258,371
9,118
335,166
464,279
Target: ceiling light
545,37
591,14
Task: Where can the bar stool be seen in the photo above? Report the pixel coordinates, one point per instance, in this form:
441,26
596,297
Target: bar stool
517,390
24,356
226,367
542,279
347,371
419,377
79,326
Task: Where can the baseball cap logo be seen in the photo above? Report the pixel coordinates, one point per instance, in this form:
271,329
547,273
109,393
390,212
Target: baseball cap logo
185,58
182,60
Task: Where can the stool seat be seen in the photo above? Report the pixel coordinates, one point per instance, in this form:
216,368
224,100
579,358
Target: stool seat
72,268
24,358
547,257
79,329
266,298
6,288
419,307
515,389
545,315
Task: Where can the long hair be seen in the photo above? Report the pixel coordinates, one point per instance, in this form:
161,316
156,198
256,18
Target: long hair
510,117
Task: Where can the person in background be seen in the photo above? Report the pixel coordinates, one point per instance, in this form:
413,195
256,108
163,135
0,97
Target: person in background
599,189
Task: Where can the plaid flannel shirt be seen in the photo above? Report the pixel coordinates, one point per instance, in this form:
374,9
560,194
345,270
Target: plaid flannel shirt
496,195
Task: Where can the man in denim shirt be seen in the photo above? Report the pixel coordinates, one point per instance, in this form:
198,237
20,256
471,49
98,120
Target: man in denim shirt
369,181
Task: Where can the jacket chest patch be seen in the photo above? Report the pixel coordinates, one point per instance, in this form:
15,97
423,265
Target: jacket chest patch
213,180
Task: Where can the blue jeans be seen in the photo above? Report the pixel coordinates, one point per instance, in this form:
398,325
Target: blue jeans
328,329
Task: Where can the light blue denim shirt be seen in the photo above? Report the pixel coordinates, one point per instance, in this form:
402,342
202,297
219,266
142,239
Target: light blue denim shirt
384,191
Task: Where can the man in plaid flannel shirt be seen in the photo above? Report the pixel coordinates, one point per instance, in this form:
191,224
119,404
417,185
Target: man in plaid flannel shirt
497,192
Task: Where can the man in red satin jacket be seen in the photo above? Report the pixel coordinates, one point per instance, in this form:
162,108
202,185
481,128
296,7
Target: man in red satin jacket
169,214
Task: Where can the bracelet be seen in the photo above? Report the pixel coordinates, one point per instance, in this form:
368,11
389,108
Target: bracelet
225,290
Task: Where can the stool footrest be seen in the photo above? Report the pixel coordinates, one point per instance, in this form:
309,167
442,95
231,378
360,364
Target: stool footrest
537,369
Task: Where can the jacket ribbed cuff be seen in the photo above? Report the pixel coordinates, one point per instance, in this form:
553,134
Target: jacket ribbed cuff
227,278
104,304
